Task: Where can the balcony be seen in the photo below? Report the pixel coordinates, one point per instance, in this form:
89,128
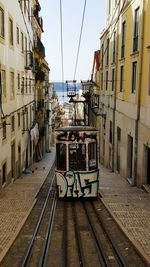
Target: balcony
39,75
87,87
40,104
39,20
38,46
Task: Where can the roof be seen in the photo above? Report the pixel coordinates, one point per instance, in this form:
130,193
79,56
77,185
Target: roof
76,128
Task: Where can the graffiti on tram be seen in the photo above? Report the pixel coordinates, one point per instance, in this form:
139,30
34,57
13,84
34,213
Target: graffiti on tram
73,136
77,184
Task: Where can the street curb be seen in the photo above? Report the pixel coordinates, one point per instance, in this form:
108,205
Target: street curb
140,251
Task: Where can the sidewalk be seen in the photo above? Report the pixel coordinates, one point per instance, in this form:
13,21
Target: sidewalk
130,207
18,198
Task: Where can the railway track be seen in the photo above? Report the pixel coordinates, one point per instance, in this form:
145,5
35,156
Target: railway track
70,233
84,234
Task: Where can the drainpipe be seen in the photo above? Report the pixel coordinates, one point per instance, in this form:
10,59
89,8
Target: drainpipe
115,99
139,96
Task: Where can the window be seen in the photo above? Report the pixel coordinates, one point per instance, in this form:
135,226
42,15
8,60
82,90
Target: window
28,10
109,7
121,78
4,173
18,119
113,79
30,85
3,83
22,43
26,85
2,31
92,152
110,132
13,123
123,39
102,54
102,81
11,37
107,54
20,3
27,121
12,86
25,7
22,85
106,80
118,133
114,47
4,129
30,115
136,30
25,44
23,121
77,156
18,81
17,34
149,76
61,156
134,73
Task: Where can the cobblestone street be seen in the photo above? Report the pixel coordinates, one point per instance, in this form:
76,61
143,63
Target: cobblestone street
130,206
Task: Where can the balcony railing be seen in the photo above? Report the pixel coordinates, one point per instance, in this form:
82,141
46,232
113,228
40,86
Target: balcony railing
39,46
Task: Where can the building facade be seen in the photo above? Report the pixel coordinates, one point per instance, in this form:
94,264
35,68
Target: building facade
18,84
124,90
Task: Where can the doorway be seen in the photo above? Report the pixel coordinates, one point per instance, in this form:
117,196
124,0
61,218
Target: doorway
4,173
130,157
118,149
19,161
148,165
13,160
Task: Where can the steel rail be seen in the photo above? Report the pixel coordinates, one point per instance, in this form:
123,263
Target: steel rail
64,239
29,249
115,247
44,254
101,252
78,238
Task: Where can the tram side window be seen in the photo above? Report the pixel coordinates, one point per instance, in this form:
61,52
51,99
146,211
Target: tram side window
92,156
77,157
61,156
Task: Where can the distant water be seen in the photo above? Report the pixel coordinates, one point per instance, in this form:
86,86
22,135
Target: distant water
61,90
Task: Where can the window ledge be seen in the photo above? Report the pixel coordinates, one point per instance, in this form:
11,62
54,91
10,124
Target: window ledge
135,54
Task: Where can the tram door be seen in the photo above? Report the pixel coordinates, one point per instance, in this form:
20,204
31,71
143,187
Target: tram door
77,156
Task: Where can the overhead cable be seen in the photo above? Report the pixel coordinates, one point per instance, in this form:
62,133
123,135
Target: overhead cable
62,57
79,40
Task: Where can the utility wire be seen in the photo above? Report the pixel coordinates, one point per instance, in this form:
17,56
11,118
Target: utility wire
62,57
79,40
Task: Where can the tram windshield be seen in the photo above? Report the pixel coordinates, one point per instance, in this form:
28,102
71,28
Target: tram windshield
61,156
92,156
77,157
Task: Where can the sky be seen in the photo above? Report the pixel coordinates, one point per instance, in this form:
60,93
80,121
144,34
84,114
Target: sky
72,11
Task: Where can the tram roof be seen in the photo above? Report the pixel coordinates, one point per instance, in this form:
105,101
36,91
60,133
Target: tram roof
76,128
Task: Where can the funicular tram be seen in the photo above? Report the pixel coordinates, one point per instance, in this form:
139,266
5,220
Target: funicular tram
77,173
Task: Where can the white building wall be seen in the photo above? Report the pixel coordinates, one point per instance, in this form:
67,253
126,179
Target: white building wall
12,59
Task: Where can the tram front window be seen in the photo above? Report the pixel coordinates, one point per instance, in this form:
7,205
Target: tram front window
61,156
77,157
92,156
